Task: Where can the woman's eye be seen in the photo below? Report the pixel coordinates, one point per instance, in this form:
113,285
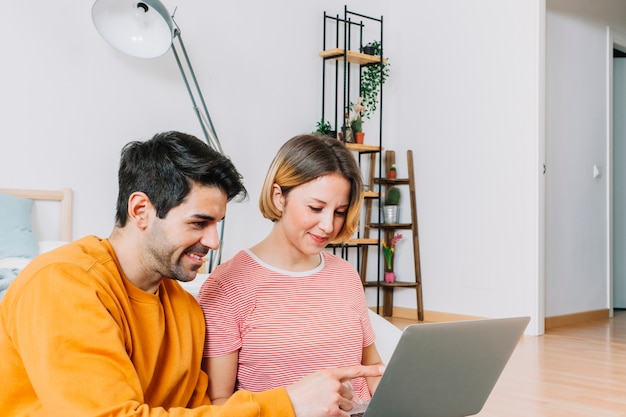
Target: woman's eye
315,209
341,213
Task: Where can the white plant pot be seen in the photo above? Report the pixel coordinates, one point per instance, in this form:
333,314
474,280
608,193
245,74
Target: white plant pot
391,214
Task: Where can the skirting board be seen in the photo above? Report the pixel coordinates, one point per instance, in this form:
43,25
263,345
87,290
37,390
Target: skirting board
550,322
575,318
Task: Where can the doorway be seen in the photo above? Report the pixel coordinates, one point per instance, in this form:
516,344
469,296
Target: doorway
616,149
619,179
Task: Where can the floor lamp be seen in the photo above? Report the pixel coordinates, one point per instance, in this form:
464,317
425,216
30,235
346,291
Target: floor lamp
145,29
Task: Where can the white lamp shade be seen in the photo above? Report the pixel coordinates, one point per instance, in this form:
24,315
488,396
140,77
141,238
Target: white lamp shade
142,29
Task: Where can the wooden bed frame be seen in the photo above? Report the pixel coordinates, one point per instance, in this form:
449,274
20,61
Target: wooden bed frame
64,196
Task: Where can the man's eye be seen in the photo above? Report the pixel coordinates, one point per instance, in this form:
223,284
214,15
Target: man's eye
199,225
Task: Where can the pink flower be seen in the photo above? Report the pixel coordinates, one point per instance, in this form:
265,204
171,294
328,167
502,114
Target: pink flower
388,250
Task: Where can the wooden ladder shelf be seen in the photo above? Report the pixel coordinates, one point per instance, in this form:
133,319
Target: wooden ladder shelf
388,231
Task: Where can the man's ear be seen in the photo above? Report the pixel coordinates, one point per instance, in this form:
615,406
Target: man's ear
277,197
140,209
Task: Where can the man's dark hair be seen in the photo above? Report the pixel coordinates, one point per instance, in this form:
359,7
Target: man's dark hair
165,168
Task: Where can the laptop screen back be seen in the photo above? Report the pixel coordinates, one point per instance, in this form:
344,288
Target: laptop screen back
445,369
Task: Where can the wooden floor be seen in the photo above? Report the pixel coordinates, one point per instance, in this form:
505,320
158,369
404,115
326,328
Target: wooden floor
573,371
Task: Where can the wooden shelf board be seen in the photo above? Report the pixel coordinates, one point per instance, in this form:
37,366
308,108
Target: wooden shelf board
370,194
353,57
397,284
362,148
392,225
354,242
392,181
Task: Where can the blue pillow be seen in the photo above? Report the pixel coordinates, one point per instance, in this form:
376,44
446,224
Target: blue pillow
16,234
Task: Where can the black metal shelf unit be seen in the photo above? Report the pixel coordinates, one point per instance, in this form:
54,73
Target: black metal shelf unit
346,51
343,54
342,47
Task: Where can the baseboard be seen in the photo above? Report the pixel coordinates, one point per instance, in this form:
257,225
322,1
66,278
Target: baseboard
550,322
575,318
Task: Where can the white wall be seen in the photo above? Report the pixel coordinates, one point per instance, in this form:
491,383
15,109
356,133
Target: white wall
465,95
468,79
577,138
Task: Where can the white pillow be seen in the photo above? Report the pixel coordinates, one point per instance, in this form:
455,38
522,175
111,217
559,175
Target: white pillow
387,336
48,245
20,263
14,263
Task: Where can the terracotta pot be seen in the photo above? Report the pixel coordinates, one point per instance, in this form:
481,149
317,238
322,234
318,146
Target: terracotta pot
358,137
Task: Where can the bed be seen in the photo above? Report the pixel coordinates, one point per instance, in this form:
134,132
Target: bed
31,222
63,198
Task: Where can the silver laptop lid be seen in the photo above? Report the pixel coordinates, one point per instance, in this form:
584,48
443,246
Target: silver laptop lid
445,369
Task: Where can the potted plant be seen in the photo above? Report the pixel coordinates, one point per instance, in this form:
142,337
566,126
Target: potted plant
356,124
324,128
392,171
372,77
392,197
388,252
369,49
390,208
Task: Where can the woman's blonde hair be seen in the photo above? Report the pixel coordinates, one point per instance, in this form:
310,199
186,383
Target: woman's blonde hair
304,158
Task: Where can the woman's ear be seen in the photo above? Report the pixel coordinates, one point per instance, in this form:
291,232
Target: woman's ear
139,209
277,197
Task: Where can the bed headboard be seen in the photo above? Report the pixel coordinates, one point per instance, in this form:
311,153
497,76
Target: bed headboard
64,196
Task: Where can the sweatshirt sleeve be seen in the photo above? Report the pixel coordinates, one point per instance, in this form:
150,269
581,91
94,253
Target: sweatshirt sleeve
274,403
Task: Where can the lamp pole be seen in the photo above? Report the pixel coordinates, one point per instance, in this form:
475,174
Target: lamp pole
145,29
203,116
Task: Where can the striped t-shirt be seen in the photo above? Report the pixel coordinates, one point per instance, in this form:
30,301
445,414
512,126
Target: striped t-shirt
286,324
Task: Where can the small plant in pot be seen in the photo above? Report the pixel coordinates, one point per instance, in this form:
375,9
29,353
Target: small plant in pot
324,128
388,253
391,206
356,124
369,49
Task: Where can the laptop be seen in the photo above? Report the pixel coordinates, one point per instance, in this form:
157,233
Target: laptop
444,369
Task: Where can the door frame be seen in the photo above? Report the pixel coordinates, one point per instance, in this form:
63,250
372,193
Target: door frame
615,40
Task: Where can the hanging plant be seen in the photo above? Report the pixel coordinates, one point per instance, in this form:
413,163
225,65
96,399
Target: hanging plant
372,77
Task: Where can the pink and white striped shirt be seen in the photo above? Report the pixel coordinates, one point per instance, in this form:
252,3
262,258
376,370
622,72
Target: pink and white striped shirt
286,324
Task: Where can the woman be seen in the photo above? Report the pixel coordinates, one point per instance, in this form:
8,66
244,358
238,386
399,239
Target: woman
285,307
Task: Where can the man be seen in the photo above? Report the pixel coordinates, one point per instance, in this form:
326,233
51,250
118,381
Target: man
100,327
